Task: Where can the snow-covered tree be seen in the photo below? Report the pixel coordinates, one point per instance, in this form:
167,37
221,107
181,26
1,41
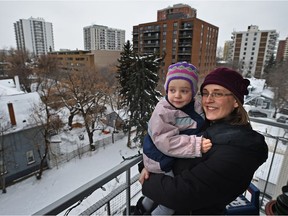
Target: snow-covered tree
123,73
138,79
83,92
22,66
144,96
125,61
276,75
44,115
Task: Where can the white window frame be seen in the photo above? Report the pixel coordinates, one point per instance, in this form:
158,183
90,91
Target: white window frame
30,157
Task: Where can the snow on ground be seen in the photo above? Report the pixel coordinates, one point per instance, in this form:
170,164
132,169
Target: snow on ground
31,195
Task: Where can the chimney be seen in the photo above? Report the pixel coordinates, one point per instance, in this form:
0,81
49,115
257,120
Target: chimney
11,114
17,83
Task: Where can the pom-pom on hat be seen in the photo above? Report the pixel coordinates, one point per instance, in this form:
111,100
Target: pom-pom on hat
229,79
185,71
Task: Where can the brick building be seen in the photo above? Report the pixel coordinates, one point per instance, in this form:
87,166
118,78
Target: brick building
179,36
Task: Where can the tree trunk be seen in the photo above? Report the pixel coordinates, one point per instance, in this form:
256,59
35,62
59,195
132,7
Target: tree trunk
41,168
129,138
70,120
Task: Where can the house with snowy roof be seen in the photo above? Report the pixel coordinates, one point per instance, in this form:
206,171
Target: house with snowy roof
260,96
19,135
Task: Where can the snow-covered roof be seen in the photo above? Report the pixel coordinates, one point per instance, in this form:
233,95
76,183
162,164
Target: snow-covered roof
8,87
257,85
267,93
8,83
22,105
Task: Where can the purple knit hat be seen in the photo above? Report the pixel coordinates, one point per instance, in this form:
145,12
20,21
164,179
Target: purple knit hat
185,71
229,79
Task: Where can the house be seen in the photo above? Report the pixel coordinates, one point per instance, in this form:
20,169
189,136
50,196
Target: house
260,96
114,120
19,136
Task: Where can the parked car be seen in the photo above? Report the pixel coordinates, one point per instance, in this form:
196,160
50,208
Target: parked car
282,119
257,113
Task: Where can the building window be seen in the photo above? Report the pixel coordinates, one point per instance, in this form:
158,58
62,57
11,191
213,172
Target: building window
255,38
254,43
30,157
251,58
252,53
175,24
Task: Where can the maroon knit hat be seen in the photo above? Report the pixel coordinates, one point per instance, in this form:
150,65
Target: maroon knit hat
229,79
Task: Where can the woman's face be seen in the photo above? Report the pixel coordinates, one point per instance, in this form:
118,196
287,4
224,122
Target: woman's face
217,101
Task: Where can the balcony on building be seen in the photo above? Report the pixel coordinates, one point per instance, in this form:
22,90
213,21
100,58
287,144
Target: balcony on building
265,186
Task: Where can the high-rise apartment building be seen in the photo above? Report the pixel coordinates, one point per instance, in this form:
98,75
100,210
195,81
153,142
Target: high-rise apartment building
34,35
282,51
98,37
227,51
179,36
252,49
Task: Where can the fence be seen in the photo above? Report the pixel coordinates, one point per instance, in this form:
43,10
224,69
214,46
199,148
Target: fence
58,155
122,196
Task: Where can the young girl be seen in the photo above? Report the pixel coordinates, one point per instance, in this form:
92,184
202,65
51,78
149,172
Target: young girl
174,129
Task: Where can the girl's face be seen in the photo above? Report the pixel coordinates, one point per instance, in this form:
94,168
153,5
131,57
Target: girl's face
217,101
179,92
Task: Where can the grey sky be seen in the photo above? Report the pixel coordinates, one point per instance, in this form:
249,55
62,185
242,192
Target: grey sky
69,17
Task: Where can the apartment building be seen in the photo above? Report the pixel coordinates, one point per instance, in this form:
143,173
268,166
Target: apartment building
227,51
179,36
98,37
34,35
282,51
79,59
252,49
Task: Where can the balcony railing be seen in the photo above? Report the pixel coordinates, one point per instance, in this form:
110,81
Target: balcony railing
119,198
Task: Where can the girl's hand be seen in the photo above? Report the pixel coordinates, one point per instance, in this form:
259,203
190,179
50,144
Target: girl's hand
206,145
143,175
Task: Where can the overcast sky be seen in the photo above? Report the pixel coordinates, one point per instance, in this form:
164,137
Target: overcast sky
70,17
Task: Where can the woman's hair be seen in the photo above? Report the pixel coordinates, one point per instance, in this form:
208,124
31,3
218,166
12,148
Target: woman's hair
239,116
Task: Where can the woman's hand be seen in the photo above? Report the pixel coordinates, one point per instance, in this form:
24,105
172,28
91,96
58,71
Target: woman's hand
143,175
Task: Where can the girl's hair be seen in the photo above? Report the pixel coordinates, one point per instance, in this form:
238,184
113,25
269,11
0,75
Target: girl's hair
239,116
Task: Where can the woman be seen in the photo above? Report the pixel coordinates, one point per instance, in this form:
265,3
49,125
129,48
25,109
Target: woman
208,184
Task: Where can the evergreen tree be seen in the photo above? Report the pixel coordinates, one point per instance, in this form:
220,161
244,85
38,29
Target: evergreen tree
123,70
144,95
125,62
138,79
